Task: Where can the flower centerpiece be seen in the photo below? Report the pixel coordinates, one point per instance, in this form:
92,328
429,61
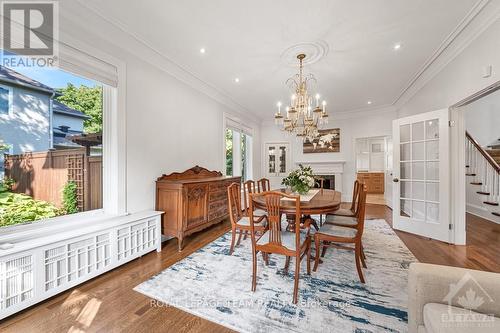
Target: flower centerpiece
300,180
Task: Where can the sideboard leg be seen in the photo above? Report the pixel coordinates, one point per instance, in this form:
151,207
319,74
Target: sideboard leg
180,243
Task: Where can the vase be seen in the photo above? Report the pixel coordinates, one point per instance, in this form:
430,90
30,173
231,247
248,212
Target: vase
300,189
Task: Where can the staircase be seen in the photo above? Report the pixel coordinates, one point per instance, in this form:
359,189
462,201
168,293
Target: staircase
483,179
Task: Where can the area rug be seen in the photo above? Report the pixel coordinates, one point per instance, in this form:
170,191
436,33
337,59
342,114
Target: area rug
216,286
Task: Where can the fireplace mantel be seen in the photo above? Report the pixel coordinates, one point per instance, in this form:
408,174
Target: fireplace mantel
335,168
324,167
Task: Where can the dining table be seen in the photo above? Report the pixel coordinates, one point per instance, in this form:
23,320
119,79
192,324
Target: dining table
325,201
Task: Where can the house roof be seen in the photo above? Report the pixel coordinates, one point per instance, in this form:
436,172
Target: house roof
8,75
61,108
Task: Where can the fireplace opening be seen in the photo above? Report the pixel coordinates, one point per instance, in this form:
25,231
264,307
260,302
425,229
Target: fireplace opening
328,181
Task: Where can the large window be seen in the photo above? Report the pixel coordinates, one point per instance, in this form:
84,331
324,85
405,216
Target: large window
51,144
238,153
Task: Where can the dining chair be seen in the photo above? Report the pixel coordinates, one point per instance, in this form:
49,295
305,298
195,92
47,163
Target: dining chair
263,185
351,211
239,222
331,235
275,240
249,188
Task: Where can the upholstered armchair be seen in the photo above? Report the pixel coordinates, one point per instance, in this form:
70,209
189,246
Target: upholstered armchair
438,298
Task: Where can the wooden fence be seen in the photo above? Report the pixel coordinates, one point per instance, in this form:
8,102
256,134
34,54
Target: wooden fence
43,175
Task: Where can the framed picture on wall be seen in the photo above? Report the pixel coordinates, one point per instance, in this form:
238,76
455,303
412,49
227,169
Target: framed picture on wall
328,141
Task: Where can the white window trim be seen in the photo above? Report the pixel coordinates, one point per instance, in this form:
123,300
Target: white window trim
11,98
114,156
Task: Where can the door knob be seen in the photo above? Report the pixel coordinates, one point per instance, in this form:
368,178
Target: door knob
395,180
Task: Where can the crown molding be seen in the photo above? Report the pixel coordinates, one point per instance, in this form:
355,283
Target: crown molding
480,17
139,47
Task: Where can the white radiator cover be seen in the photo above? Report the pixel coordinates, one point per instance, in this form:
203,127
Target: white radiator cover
34,274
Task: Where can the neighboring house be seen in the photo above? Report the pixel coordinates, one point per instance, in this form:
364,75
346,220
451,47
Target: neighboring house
31,120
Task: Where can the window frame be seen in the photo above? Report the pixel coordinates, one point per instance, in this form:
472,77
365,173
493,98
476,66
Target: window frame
11,97
235,124
113,159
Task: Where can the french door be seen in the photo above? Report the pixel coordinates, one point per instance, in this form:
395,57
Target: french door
277,162
421,175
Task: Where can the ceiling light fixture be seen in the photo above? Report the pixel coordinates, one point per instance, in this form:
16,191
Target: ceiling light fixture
237,80
369,102
397,46
202,50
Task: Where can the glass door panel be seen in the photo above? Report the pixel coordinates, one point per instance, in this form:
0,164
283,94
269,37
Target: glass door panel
419,163
422,164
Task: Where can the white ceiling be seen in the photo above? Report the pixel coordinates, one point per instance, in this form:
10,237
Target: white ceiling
246,39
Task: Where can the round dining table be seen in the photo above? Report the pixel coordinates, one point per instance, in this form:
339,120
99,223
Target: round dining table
325,201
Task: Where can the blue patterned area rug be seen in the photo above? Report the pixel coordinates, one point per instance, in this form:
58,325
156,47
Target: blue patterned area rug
216,286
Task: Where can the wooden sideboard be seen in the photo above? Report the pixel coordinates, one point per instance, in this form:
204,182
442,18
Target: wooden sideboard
374,181
192,201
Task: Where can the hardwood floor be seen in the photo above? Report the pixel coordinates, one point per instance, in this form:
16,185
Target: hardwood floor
378,199
108,303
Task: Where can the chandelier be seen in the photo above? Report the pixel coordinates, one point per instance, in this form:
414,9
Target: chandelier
301,118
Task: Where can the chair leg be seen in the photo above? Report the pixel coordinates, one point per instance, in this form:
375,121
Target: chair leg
362,256
239,237
296,282
363,251
287,264
358,262
265,256
233,236
254,270
246,235
309,257
323,252
317,241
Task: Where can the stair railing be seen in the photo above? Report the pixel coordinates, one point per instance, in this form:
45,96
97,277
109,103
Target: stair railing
485,169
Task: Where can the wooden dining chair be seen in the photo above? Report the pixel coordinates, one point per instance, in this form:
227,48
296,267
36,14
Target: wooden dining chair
263,185
240,224
348,214
295,244
331,235
249,188
351,211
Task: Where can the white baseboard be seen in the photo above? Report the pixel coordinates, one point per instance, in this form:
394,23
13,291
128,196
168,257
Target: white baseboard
482,213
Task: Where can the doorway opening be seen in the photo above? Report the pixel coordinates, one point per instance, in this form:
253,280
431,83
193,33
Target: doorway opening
374,167
482,160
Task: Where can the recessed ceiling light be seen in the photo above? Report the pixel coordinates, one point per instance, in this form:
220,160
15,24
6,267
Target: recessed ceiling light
237,80
202,50
369,102
397,46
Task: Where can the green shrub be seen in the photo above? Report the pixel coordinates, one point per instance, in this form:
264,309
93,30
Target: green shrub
20,208
70,201
7,183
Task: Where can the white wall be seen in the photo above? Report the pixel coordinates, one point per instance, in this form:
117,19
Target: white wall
462,77
350,130
482,119
170,125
